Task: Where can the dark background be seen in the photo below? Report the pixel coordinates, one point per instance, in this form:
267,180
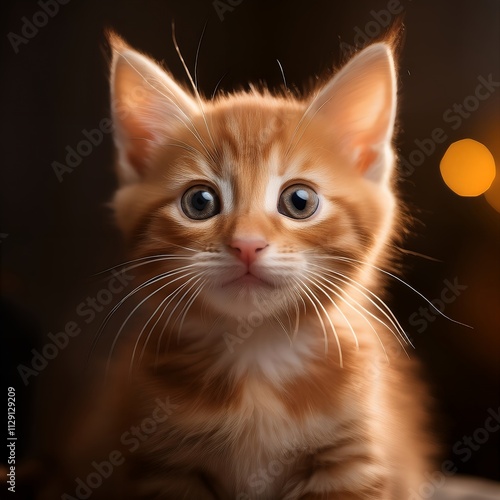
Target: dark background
56,235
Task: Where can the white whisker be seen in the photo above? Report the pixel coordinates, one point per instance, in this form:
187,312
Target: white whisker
148,259
282,73
404,283
189,304
312,298
158,344
320,287
170,296
383,308
143,285
180,301
184,247
217,85
193,83
283,327
291,146
344,299
297,319
183,115
115,340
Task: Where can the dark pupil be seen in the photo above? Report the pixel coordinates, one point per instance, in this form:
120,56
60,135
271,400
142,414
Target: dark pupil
299,199
201,199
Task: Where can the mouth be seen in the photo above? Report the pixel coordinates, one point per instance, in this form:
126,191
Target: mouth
248,280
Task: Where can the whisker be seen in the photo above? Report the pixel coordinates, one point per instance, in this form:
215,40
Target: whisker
404,283
294,133
319,316
344,299
334,330
195,153
291,328
189,124
292,146
307,125
217,86
158,344
184,247
302,300
320,287
183,62
115,340
151,258
311,297
282,73
189,304
180,312
297,320
122,301
283,327
174,142
193,84
171,296
383,307
197,55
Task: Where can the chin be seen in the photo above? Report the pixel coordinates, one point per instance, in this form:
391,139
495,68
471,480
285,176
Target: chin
247,296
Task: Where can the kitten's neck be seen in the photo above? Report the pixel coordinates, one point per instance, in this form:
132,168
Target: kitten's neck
272,348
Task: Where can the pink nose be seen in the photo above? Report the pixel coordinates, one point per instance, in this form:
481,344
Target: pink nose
247,250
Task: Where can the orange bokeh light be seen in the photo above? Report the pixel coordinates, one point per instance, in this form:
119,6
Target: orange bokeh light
493,194
468,167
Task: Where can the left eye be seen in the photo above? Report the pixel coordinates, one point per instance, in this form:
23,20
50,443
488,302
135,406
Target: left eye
200,202
298,202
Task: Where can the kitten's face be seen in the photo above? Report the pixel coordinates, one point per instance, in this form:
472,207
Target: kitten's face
255,197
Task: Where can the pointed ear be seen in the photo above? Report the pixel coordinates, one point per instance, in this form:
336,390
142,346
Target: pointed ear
358,107
147,107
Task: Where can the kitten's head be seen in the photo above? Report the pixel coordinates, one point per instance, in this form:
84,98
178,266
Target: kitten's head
252,196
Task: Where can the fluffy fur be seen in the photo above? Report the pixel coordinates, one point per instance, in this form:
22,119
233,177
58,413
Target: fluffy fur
266,332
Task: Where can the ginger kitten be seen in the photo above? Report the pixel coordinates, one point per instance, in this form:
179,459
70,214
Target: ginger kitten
257,224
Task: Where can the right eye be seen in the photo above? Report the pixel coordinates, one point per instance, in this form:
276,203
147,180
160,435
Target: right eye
298,202
200,202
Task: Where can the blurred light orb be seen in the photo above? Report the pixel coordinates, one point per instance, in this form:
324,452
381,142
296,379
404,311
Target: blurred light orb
493,194
468,167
